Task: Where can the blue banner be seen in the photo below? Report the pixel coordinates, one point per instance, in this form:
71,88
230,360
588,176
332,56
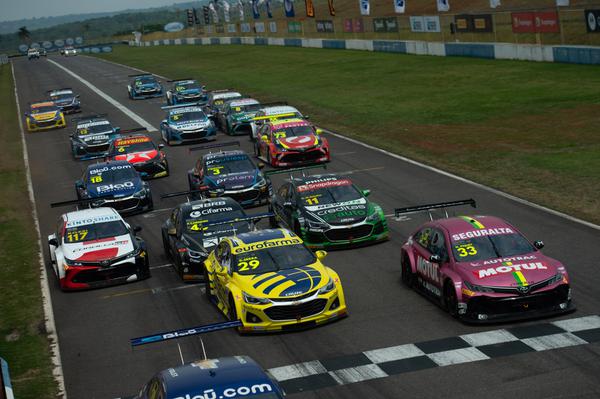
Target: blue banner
255,11
268,7
288,6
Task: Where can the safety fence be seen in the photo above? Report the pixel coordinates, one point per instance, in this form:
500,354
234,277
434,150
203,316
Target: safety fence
6,391
504,51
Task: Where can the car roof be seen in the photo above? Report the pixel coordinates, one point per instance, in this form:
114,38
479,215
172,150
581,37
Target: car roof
279,109
223,154
243,101
224,95
43,104
101,165
91,216
260,235
208,203
463,224
282,123
61,91
217,374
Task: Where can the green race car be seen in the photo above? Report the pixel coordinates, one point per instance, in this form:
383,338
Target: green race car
328,211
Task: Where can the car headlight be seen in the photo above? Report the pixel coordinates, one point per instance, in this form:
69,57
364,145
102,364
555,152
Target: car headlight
556,278
261,182
478,288
196,255
327,288
254,300
141,193
373,217
315,225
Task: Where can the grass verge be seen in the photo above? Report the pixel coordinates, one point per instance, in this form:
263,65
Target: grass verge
23,340
526,128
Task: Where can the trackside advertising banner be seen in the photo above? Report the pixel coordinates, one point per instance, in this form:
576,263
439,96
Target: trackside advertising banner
535,22
310,8
443,5
365,7
288,7
331,8
399,6
592,20
474,23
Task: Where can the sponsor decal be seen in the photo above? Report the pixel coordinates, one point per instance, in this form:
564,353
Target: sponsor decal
115,187
216,159
209,205
482,233
324,183
97,123
107,244
230,392
267,244
210,211
428,269
509,267
137,140
107,168
185,110
502,260
93,220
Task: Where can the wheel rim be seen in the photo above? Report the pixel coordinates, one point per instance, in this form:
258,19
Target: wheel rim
451,301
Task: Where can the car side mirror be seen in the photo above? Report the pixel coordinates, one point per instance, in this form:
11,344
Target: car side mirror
117,129
307,117
77,96
264,138
435,258
287,204
321,254
539,244
164,121
53,242
221,271
172,231
319,131
366,192
261,165
137,229
79,184
161,146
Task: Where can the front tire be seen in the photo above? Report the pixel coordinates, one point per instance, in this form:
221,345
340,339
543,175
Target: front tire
408,277
450,301
232,310
207,294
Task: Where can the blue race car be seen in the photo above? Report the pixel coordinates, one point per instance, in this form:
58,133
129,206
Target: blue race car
92,137
230,174
186,91
115,184
66,100
185,123
225,377
144,86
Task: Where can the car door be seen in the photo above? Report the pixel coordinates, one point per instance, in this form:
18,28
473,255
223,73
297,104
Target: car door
172,228
263,145
428,273
222,270
278,200
437,247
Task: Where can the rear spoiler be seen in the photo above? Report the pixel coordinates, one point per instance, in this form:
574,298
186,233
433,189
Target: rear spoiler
223,91
185,332
88,117
140,74
85,201
64,88
199,104
179,80
292,170
275,103
275,117
137,129
429,207
201,190
218,145
249,218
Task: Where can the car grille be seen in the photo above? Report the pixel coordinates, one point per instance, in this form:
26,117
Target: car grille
244,128
98,148
517,304
515,290
243,196
150,168
295,298
99,275
352,233
194,135
295,312
46,123
308,156
123,205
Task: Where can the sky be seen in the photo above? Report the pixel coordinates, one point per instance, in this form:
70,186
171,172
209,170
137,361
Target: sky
16,9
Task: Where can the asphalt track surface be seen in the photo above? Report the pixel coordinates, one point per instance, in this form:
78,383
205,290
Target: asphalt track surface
94,327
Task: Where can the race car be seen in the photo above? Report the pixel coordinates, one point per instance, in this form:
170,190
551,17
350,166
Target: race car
230,174
42,51
270,281
44,115
68,51
66,100
236,116
116,184
291,142
216,99
186,123
95,247
185,91
188,236
33,54
142,153
144,86
328,211
92,137
273,111
225,377
482,269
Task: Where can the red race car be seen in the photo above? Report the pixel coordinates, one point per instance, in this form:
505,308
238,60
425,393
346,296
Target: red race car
291,142
482,269
145,156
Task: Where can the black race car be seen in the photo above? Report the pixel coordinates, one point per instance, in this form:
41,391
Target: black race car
230,174
139,150
216,100
66,100
144,86
188,236
92,137
114,184
185,91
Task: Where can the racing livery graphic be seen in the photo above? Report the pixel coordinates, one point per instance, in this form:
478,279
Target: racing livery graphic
43,116
482,269
236,116
189,234
230,174
92,137
66,100
291,142
95,247
216,101
186,123
116,184
270,281
144,86
273,111
225,377
185,91
142,153
328,211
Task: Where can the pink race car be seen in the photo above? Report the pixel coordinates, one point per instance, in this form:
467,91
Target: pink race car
482,269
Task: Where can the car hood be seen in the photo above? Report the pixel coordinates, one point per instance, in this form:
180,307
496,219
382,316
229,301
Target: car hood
189,92
99,250
233,181
45,116
209,240
65,101
341,213
284,283
95,139
190,125
511,271
123,188
137,157
243,116
299,142
148,86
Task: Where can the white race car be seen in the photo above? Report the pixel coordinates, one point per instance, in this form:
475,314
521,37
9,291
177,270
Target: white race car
273,112
96,247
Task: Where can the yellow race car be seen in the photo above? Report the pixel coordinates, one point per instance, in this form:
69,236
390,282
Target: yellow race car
44,115
270,281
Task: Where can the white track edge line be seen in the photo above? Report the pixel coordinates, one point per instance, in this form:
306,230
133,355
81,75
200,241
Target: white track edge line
46,298
136,118
465,180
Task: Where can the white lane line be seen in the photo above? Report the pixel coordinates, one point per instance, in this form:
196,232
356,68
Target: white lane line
351,172
489,338
57,370
136,118
579,324
553,341
292,371
357,374
457,356
394,353
464,180
341,154
161,266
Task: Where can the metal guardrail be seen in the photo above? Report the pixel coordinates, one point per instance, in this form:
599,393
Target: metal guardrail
6,391
3,59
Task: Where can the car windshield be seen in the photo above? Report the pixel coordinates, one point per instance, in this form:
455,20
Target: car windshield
490,247
328,192
273,259
219,103
111,174
126,147
187,86
196,220
144,80
64,96
95,231
43,109
236,109
293,131
187,117
94,129
228,164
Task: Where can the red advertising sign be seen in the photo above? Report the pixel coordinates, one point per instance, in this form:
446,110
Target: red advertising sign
546,21
523,22
348,25
358,25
